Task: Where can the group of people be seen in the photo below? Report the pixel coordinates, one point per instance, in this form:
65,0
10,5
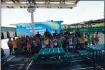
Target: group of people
32,44
95,39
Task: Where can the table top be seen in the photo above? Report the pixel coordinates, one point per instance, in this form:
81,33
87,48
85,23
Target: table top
98,47
51,51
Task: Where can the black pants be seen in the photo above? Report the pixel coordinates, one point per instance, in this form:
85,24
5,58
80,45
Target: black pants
15,50
10,50
77,46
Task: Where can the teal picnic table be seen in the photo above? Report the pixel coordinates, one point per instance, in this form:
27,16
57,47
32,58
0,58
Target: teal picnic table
49,54
97,49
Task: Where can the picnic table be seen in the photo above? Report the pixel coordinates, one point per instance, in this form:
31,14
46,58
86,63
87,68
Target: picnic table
49,54
51,51
97,49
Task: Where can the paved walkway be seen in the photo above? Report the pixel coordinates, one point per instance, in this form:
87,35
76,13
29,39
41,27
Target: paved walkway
25,63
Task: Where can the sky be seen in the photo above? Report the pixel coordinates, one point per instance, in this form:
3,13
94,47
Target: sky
84,11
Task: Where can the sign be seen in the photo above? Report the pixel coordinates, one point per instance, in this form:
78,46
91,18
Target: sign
88,29
26,28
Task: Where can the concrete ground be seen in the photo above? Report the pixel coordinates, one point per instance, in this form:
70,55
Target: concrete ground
23,62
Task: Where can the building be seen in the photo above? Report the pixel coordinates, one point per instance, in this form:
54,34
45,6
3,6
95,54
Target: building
7,32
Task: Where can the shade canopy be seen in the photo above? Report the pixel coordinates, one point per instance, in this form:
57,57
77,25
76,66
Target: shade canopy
39,3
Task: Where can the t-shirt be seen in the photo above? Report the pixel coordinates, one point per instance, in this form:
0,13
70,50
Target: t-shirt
38,35
14,43
51,43
86,40
59,43
28,45
55,34
70,41
55,42
35,43
43,44
9,43
47,41
82,40
47,34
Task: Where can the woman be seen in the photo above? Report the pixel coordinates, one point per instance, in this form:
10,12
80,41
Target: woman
47,42
35,45
51,42
92,40
82,41
43,43
28,45
55,42
96,38
59,42
14,45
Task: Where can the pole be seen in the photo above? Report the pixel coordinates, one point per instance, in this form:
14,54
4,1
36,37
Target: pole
31,10
32,21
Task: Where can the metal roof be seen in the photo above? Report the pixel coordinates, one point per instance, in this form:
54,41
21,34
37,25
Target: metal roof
39,3
8,29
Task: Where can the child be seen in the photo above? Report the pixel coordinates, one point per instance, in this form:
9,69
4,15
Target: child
55,42
47,42
59,42
35,45
43,43
28,47
51,42
70,42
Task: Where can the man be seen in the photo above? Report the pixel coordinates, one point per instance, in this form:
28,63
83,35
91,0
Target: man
66,33
19,44
55,34
38,35
47,34
10,46
61,32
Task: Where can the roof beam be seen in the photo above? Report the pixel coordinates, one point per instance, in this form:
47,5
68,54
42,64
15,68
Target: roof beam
38,4
2,1
77,1
29,1
33,1
17,0
13,1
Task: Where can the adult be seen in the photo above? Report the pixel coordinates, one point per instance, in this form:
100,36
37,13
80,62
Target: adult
19,44
47,34
61,32
65,43
78,43
66,33
35,46
74,40
2,53
55,34
92,40
14,43
38,35
96,38
82,42
10,46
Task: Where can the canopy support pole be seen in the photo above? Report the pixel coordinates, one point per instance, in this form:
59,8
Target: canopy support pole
31,10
